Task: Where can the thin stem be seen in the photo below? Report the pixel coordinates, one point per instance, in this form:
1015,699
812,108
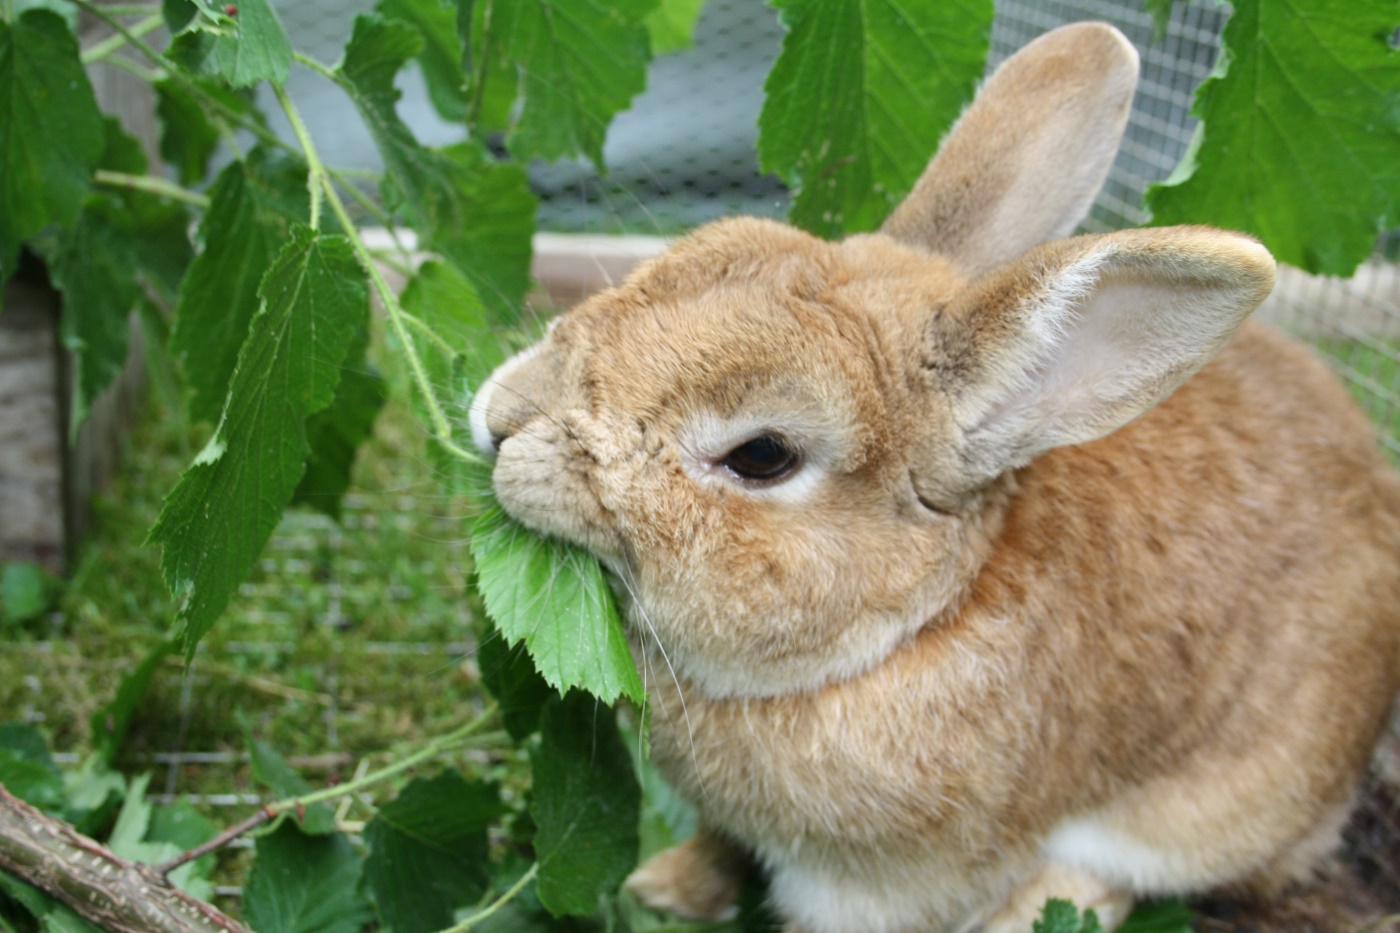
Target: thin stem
218,842
431,750
316,66
422,327
113,42
125,64
316,178
497,904
151,184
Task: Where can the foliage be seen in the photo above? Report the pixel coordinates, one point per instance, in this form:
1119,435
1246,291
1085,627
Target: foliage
1299,133
267,310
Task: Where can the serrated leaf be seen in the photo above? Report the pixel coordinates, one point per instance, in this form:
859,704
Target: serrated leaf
586,805
120,239
441,55
242,49
510,676
94,793
128,836
671,25
27,769
335,433
859,98
1299,141
553,596
214,524
475,212
50,130
252,207
492,83
580,61
1060,916
304,884
111,720
1161,11
273,772
428,851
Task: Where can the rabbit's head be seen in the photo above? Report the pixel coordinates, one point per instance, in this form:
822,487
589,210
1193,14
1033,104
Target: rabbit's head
791,452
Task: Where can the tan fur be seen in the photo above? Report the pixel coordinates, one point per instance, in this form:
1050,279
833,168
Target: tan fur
1003,635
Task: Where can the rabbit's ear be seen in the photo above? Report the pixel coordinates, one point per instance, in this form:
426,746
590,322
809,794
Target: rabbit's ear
1025,161
1076,339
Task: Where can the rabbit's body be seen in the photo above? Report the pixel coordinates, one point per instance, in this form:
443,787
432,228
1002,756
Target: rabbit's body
935,621
975,752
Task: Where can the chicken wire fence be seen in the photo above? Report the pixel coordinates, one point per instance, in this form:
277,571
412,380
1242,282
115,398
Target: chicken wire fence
684,154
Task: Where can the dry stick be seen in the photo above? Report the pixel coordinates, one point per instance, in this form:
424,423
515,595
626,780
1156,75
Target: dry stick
108,891
260,817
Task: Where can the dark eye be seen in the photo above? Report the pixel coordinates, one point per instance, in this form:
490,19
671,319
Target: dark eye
766,458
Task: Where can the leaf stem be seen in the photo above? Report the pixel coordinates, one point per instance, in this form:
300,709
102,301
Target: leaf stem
113,42
361,780
152,185
317,180
316,66
469,922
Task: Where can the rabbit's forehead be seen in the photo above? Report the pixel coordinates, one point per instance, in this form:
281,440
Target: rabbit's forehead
731,352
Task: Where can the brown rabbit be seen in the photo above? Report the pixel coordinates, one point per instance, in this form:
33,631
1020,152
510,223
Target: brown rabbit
954,587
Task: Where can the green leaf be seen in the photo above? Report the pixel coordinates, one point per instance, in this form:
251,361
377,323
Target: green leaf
50,130
110,722
121,238
859,98
428,851
216,521
241,50
53,916
580,63
553,596
94,793
510,676
1299,135
27,769
335,433
1159,917
441,55
586,805
188,138
26,591
671,25
479,214
133,838
273,771
1058,916
183,827
252,208
304,884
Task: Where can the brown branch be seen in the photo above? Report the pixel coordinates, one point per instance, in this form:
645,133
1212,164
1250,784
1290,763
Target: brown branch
261,816
111,892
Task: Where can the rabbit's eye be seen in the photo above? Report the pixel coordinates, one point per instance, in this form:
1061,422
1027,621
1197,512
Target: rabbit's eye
766,458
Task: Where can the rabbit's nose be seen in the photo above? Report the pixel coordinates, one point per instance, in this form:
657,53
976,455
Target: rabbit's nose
505,402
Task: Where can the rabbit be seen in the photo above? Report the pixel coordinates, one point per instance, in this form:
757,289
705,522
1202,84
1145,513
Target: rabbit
970,563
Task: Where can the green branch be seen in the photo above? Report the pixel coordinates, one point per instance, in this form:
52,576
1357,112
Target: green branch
497,904
320,178
110,44
152,185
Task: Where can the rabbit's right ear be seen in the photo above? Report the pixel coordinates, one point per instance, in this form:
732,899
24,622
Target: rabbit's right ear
1074,340
1025,161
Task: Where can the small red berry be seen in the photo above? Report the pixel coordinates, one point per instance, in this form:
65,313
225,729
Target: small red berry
231,9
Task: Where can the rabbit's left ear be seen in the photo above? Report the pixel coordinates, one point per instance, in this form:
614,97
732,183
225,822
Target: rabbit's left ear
1025,161
1076,339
